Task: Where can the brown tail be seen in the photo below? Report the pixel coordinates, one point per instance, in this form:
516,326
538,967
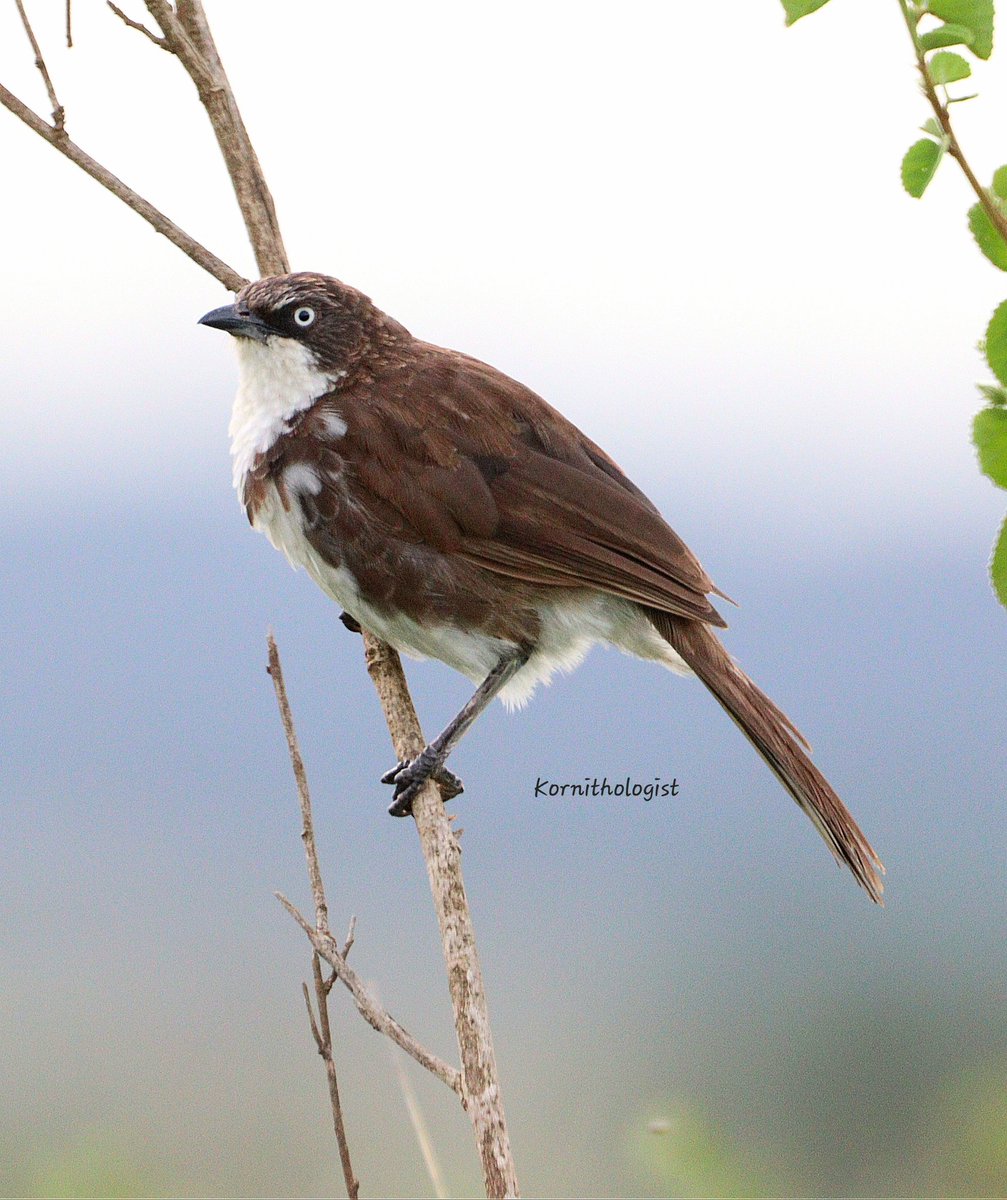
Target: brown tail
778,741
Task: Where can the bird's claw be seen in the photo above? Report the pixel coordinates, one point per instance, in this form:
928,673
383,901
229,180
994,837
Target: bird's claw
409,775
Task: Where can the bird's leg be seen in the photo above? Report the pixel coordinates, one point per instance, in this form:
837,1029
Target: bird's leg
351,623
409,777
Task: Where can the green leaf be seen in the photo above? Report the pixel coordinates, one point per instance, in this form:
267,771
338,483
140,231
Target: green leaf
795,9
989,432
987,237
976,15
919,165
994,393
948,68
995,347
947,35
1000,182
998,566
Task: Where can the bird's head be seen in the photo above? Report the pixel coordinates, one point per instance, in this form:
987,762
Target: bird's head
334,323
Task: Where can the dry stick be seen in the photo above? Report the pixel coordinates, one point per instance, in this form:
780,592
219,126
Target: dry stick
443,858
138,26
320,1030
58,112
301,778
188,245
319,934
322,1034
188,36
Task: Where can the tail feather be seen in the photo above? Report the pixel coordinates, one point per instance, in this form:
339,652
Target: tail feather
778,742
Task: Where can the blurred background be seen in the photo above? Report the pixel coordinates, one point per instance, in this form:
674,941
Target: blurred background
686,230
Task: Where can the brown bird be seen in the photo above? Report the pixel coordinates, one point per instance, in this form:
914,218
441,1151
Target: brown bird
456,515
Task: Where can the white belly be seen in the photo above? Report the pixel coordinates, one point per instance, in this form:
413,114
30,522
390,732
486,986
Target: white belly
569,628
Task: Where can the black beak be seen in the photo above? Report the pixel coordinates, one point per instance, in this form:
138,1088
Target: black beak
238,321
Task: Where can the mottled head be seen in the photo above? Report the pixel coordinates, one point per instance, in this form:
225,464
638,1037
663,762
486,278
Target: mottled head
336,324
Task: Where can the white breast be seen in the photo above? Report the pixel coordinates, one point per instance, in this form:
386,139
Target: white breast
277,379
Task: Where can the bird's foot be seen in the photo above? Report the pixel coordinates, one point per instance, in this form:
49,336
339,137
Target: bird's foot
408,776
351,623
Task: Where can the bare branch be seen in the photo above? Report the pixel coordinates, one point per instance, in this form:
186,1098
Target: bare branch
368,1007
323,1039
350,933
188,36
442,853
197,252
69,27
300,775
58,112
138,26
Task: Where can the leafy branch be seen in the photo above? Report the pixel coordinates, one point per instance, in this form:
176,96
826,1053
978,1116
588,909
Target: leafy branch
968,25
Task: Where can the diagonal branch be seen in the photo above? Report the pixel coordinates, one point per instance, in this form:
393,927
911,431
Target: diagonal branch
58,112
188,36
164,225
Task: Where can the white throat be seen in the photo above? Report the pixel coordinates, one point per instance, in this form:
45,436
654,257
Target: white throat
277,379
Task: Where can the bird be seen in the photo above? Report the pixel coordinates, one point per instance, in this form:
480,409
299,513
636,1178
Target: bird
453,513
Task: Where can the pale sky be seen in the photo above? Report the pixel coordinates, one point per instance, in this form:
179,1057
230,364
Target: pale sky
688,234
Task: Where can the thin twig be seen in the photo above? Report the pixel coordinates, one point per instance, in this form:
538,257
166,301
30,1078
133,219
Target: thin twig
350,935
303,794
138,26
368,1007
322,1034
58,112
164,225
940,110
69,27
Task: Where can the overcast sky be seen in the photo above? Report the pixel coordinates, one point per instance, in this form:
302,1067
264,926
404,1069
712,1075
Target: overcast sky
687,231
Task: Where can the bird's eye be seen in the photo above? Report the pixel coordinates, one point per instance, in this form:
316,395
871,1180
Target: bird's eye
304,317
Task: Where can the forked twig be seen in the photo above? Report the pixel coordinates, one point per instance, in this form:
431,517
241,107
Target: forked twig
58,112
367,1005
321,939
138,26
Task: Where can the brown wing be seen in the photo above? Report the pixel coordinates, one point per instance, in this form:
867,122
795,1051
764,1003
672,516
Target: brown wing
447,452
